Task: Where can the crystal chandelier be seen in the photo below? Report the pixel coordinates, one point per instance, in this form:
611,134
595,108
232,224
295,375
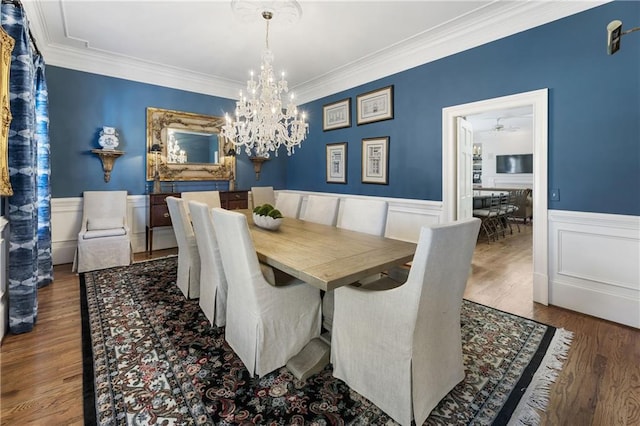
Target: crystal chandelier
174,153
262,124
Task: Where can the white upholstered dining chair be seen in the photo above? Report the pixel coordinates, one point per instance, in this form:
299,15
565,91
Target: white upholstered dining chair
289,204
210,198
361,215
401,348
104,239
321,209
188,278
213,282
266,325
262,195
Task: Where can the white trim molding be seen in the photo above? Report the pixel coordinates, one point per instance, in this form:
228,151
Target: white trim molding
538,99
593,260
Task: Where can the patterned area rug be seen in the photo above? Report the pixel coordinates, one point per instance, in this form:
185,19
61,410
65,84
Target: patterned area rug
151,357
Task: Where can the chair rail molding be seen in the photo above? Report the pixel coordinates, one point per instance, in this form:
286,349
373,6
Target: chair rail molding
593,264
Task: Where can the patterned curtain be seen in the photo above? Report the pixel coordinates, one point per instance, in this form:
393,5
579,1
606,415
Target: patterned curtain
30,265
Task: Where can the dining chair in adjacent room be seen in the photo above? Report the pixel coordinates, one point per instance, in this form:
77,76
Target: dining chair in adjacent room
104,239
188,279
489,216
210,198
262,195
289,204
213,282
401,346
321,209
266,325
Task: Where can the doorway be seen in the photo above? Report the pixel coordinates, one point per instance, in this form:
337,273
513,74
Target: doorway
538,100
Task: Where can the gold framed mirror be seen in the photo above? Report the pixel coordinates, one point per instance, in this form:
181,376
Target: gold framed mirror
187,146
6,47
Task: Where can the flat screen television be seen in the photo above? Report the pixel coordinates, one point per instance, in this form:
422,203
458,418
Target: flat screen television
515,163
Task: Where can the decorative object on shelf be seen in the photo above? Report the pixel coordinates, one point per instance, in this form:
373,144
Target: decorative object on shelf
108,138
267,217
375,160
257,164
107,157
156,149
337,162
262,123
376,105
174,153
336,115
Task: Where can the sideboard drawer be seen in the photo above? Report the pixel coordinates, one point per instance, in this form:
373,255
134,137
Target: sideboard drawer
234,200
160,216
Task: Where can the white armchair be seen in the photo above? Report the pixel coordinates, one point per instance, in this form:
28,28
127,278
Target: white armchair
104,240
401,348
289,204
266,325
213,282
188,278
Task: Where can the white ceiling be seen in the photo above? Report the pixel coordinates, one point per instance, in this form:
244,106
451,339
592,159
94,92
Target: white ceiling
202,46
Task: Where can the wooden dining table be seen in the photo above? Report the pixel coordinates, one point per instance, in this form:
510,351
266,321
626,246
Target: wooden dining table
325,256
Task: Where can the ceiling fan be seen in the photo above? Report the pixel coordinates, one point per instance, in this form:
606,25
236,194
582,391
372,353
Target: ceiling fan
499,127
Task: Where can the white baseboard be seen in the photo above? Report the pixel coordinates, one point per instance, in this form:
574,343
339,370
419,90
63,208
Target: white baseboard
593,262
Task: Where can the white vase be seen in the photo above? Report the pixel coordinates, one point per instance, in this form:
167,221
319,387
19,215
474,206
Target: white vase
108,138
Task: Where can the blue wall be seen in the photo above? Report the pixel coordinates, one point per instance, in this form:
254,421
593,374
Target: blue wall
594,119
594,114
81,103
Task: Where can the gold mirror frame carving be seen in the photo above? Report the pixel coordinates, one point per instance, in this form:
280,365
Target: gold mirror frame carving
158,120
6,47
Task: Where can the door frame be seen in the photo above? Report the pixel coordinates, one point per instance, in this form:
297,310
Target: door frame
539,100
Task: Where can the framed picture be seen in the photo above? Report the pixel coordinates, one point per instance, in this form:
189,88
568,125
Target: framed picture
375,106
337,162
336,115
375,160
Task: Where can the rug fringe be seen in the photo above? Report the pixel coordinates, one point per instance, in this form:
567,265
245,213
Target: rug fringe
536,397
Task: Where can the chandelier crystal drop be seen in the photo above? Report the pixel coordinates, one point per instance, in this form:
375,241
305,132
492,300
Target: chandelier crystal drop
263,121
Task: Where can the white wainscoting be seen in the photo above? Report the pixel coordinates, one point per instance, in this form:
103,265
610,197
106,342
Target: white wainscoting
594,264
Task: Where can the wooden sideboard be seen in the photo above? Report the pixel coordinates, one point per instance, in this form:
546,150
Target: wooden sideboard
159,212
234,200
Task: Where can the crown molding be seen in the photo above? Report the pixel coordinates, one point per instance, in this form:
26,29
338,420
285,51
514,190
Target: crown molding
488,24
142,71
491,23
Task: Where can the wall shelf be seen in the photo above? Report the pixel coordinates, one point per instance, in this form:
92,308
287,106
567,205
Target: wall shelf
107,157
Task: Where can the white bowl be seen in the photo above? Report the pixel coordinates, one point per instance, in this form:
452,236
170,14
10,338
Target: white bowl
266,222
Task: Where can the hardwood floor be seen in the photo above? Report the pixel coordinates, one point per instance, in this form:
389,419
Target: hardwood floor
41,371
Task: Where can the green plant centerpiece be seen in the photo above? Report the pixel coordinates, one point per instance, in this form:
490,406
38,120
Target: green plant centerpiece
266,216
